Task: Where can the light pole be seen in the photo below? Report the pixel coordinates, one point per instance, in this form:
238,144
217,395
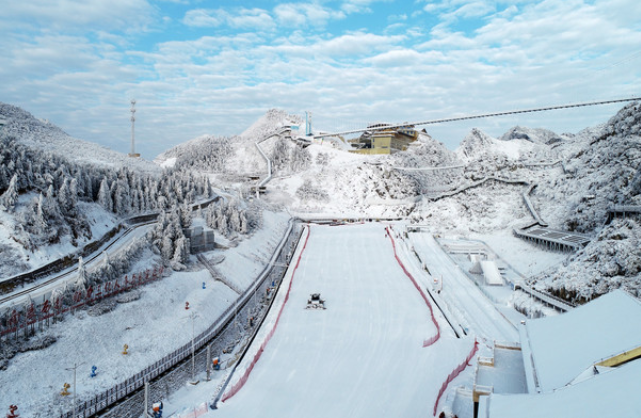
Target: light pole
193,352
74,368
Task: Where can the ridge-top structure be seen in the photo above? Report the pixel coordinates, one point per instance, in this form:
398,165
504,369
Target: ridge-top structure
132,152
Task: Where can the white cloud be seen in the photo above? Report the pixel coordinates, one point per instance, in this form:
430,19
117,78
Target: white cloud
538,53
357,44
471,10
203,18
395,58
73,15
246,19
301,14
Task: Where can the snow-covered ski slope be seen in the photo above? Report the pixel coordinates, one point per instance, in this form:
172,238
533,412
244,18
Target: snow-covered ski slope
361,357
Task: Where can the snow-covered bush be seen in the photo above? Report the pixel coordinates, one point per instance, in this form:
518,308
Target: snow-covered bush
309,191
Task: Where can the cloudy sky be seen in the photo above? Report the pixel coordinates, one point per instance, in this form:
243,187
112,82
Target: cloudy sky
213,67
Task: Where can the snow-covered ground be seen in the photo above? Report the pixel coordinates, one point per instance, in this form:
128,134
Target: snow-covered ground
360,356
152,326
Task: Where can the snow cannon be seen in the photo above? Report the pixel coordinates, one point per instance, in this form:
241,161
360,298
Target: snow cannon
157,409
65,389
124,349
315,302
12,412
93,371
216,363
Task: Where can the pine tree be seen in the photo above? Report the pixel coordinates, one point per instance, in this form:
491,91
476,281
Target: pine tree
72,208
244,227
186,216
9,198
222,224
234,219
122,203
167,248
108,270
51,210
27,217
181,254
81,281
40,220
63,197
104,196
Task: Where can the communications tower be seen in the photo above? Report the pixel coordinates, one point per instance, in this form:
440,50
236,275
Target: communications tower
133,152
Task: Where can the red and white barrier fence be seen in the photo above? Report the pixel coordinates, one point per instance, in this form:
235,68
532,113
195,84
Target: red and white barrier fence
241,382
455,373
431,340
195,412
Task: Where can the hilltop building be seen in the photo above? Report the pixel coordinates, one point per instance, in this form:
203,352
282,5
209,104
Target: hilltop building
379,139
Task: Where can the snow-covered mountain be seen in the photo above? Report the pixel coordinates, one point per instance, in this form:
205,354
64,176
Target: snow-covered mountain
43,135
476,188
517,144
601,170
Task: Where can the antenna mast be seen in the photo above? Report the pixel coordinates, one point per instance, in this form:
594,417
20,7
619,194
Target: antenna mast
133,153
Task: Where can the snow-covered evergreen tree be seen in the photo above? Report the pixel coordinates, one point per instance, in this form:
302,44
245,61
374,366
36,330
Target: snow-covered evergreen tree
40,220
167,249
108,271
63,197
104,196
81,280
234,219
122,201
9,198
186,215
181,253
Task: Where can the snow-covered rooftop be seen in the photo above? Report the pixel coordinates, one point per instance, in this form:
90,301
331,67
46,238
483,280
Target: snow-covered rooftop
565,346
614,393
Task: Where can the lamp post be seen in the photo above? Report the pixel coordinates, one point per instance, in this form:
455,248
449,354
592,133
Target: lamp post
74,368
193,351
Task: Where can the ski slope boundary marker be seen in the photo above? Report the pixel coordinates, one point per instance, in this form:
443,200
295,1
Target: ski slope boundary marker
455,373
431,340
241,382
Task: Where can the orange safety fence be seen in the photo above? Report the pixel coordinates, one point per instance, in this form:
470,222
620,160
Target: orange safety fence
433,339
455,373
